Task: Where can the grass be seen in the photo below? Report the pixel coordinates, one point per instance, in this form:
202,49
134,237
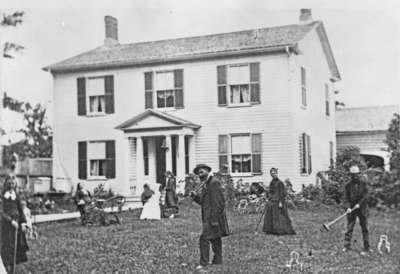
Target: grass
171,246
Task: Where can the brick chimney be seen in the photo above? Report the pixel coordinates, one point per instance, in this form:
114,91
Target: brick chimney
111,24
305,16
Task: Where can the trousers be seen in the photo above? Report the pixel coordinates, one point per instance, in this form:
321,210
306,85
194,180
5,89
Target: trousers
216,245
351,221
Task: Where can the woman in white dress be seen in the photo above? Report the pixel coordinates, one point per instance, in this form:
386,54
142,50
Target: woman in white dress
151,208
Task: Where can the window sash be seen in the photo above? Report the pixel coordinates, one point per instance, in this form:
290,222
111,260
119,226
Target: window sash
96,86
98,167
96,150
241,163
165,80
97,104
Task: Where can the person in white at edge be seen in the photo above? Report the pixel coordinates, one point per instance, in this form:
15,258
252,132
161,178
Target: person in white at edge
151,208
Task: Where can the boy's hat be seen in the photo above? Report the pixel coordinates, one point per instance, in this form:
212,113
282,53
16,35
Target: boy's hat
354,169
200,166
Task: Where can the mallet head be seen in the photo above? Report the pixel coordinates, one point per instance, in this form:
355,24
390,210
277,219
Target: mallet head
326,227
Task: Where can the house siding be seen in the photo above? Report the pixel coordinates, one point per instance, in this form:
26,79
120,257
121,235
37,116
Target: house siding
367,141
312,119
278,118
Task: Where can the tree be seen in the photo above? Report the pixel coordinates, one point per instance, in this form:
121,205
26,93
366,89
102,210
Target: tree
393,142
38,136
11,20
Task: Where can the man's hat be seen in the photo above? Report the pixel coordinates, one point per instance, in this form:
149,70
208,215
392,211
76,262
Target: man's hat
354,169
199,166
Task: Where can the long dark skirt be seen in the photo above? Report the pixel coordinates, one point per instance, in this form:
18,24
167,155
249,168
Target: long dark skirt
171,199
277,220
8,242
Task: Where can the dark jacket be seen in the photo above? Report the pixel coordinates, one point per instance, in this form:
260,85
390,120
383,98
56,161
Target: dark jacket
356,192
213,216
12,211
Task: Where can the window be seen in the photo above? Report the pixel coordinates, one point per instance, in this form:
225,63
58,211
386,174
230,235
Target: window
327,100
303,87
331,154
241,153
244,153
168,89
97,159
305,154
238,84
95,95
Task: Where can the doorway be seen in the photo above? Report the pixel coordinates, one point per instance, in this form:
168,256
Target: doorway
160,160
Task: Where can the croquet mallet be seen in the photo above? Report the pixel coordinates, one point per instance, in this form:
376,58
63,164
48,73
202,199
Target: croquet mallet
327,226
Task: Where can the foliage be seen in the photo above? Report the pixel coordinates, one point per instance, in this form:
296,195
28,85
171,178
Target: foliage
171,246
38,136
393,142
228,188
11,20
100,192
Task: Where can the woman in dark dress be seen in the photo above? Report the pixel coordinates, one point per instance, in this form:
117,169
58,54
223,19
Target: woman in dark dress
12,218
171,198
276,219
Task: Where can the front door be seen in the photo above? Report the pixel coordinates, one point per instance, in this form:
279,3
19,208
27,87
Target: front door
160,160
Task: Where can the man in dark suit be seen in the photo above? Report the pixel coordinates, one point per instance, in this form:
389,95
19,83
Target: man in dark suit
215,224
356,194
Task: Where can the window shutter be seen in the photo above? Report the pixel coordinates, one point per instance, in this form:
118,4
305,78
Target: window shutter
309,154
222,85
82,160
303,161
148,88
178,82
110,157
256,150
109,88
327,110
303,87
81,87
255,83
223,152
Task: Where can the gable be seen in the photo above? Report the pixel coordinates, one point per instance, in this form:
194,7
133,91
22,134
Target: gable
150,122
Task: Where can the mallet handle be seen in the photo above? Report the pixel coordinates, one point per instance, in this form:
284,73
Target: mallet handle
341,217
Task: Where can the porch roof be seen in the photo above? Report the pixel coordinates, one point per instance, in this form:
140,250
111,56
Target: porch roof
151,120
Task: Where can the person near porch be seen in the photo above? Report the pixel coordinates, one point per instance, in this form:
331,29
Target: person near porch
13,219
171,198
82,199
151,204
276,220
356,195
214,221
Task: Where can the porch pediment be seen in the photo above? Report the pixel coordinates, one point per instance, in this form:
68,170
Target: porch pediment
152,120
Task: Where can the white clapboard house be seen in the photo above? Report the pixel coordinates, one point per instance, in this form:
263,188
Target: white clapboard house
242,102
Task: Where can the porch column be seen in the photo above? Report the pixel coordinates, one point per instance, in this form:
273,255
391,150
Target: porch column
127,164
139,164
181,157
192,154
168,153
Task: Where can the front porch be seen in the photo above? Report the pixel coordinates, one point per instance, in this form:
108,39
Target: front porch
157,142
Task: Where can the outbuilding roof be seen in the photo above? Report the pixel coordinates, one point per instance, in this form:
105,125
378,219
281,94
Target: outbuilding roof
373,118
192,48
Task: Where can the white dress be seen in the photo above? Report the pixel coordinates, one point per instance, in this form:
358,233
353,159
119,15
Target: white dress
151,209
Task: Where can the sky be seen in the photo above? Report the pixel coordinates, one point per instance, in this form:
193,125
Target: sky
364,36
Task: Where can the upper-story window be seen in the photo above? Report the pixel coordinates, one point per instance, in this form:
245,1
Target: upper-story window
327,100
238,84
303,87
165,88
95,95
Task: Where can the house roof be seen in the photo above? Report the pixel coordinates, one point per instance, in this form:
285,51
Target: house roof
191,48
174,120
374,118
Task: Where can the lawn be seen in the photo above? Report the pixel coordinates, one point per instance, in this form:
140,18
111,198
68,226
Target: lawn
171,246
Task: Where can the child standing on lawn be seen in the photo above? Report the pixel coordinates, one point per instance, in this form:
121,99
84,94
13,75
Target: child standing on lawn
82,198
